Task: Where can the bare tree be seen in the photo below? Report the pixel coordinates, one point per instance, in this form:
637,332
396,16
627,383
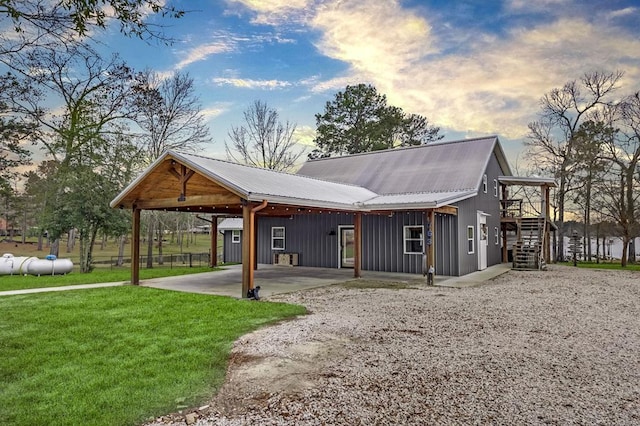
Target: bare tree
264,141
619,191
169,113
551,140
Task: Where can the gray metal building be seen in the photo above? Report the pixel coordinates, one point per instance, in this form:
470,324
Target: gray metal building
453,183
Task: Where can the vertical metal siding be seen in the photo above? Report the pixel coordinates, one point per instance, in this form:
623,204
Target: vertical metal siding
446,241
313,236
232,252
467,216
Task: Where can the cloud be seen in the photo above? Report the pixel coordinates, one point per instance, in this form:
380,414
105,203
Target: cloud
249,83
492,85
623,12
277,12
203,51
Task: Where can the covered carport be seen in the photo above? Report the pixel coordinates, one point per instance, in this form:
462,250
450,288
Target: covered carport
191,183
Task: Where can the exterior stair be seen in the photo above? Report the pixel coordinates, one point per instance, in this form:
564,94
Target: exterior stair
527,251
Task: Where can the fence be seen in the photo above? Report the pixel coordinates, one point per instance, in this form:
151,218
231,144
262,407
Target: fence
177,260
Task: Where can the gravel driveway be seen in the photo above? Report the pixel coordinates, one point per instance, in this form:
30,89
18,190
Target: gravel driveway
558,347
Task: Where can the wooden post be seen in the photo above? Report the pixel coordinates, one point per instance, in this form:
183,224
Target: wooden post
547,216
431,249
249,243
135,247
503,225
248,248
214,242
357,249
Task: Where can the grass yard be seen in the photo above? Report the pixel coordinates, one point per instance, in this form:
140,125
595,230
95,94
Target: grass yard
605,265
117,356
19,282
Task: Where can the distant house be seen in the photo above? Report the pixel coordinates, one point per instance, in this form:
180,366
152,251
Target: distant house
442,204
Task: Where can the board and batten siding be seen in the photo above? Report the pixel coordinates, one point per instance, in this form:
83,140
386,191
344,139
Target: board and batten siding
468,214
232,252
314,237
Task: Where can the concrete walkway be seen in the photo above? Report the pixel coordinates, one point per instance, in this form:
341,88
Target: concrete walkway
280,279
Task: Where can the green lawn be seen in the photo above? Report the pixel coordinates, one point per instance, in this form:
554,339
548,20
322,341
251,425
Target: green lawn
117,356
605,265
18,282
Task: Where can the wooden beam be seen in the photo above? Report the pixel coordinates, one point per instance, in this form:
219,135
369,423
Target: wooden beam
447,210
192,201
547,233
135,247
249,244
431,249
247,249
357,249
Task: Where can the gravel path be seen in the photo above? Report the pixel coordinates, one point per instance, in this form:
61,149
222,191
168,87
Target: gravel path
559,347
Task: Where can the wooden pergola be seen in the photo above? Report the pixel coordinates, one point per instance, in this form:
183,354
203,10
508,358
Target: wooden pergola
171,185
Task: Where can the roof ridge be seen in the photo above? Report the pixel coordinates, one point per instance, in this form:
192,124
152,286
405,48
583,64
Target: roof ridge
427,192
405,148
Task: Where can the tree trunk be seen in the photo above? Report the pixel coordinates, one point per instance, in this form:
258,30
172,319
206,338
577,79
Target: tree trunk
625,245
121,242
40,240
598,243
71,240
86,250
160,234
54,249
150,242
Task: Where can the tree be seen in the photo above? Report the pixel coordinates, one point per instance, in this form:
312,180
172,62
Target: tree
64,19
15,131
263,141
590,138
359,120
169,113
85,139
551,140
620,191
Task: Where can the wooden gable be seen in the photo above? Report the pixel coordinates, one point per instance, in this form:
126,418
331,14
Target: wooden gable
171,185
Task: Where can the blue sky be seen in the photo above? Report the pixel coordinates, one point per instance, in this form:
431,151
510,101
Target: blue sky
472,67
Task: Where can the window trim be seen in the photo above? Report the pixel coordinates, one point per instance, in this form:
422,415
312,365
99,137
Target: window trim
471,239
236,236
405,239
274,238
484,183
497,231
495,188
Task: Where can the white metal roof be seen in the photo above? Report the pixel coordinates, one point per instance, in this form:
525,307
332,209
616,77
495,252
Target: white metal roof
436,167
426,176
230,224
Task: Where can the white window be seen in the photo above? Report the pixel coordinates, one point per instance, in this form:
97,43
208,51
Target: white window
277,238
471,240
495,187
413,239
235,236
497,235
484,184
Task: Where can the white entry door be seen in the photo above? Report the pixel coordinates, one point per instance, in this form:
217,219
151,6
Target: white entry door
482,241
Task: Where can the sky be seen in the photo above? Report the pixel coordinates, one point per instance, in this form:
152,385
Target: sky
473,68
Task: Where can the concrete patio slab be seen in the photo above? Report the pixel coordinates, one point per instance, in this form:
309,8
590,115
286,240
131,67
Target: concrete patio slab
280,279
